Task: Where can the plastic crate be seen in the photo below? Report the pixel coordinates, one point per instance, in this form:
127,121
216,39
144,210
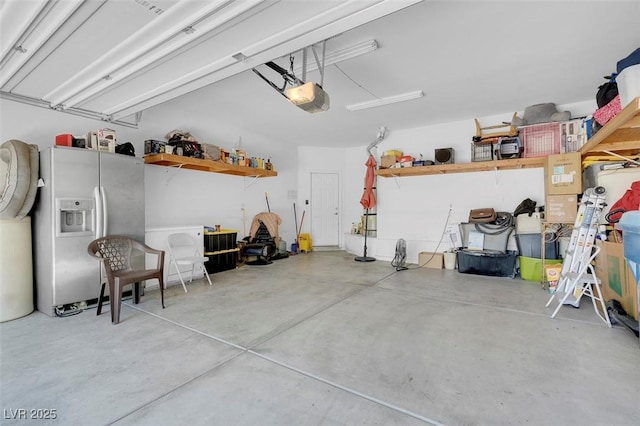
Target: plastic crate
540,140
482,151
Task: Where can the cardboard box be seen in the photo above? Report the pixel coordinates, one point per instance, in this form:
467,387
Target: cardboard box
573,135
617,279
431,260
106,140
561,208
563,174
387,161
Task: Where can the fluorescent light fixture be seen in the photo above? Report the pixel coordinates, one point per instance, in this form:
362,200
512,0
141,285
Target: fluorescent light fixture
309,96
386,101
340,55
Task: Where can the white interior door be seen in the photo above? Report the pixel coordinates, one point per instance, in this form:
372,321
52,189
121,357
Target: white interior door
325,209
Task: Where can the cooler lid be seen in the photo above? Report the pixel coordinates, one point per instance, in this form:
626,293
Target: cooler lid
630,222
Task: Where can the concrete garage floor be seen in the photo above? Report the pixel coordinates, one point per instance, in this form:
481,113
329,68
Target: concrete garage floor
318,339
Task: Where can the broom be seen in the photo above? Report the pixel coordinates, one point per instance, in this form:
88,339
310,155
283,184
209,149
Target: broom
298,231
295,219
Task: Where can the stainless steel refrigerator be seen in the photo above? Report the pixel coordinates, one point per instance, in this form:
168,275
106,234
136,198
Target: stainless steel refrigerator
84,195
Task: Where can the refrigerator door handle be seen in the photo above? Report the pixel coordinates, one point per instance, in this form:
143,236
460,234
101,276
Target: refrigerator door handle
105,216
98,210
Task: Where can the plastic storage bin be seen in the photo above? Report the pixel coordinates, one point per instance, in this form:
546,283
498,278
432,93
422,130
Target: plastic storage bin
526,224
630,226
496,238
221,262
530,245
492,263
628,84
531,268
224,239
221,247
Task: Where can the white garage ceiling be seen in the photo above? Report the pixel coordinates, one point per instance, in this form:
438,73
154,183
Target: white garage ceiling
113,59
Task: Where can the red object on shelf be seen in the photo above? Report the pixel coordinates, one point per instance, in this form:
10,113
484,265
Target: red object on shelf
607,112
64,140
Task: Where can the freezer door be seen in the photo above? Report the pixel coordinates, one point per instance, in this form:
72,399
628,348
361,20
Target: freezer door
122,186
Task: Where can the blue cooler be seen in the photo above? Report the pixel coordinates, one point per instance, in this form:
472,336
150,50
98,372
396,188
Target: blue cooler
630,226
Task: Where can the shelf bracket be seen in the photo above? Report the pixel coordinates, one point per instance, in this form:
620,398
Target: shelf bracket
252,181
395,179
622,157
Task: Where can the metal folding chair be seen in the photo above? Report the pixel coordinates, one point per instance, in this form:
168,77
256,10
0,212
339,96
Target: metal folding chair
184,251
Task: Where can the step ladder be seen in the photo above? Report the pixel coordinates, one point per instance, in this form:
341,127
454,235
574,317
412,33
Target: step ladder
578,277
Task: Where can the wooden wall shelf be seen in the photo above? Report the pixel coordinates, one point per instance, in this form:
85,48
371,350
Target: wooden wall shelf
480,166
180,161
620,135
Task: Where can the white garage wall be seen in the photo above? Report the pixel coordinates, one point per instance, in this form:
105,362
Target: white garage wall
192,197
314,159
174,197
417,208
413,208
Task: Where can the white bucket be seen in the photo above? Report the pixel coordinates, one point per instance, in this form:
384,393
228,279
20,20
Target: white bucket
449,260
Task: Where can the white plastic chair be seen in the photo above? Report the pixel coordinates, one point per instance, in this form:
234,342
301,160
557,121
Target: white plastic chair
184,250
580,284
